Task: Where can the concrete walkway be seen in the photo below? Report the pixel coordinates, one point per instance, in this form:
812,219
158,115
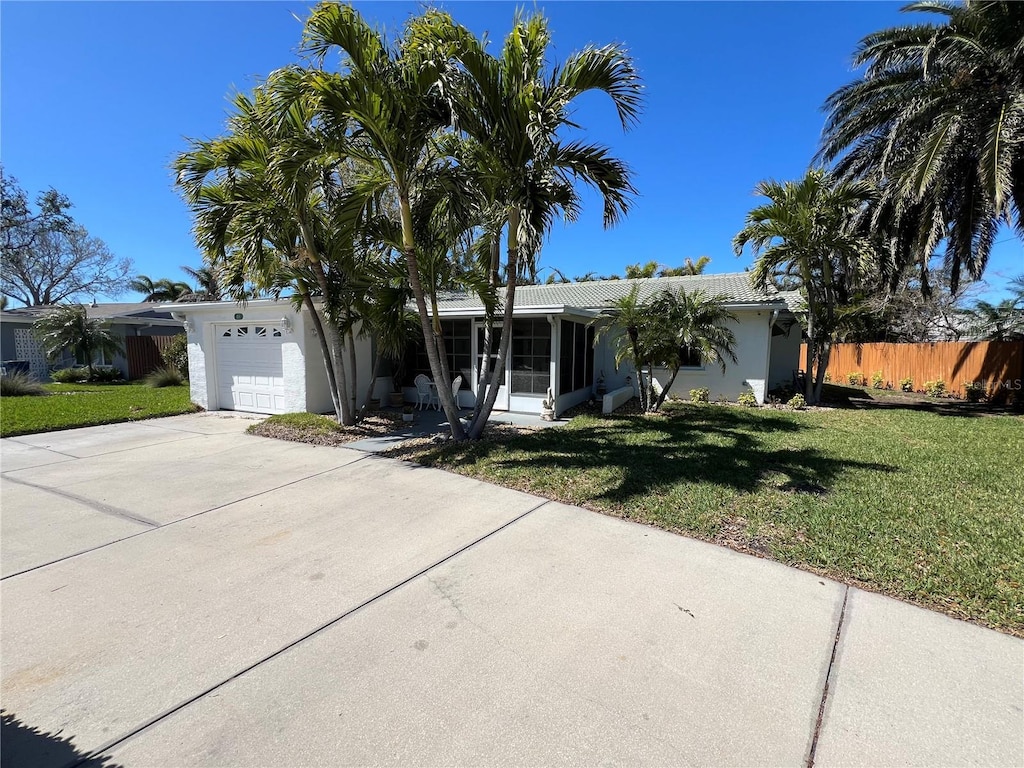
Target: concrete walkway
177,593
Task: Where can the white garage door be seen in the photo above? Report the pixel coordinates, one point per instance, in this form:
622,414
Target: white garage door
250,371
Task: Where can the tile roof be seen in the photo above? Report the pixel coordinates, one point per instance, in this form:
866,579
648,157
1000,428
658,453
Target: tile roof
599,294
119,311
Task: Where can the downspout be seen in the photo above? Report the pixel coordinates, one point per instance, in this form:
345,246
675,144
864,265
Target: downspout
768,354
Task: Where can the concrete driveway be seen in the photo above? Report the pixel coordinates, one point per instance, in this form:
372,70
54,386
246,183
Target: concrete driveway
176,592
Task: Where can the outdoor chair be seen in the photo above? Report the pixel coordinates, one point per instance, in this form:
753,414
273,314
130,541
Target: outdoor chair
424,391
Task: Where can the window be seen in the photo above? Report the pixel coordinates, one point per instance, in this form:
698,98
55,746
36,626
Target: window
531,356
457,346
690,357
575,357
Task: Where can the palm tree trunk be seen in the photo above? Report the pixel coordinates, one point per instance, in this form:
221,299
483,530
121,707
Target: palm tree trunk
485,355
337,353
476,429
664,391
639,367
353,370
409,248
377,358
819,377
325,349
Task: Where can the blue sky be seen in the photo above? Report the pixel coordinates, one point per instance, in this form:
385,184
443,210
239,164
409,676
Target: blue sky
97,98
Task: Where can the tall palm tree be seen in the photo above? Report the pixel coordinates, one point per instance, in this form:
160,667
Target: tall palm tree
390,95
806,236
937,122
257,195
68,327
515,112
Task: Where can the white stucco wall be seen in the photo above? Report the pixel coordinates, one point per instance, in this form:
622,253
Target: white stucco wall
318,389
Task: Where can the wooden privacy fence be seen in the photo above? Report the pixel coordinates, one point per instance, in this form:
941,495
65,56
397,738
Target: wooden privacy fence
144,354
999,365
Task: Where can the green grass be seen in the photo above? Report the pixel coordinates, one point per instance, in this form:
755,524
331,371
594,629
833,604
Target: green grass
84,405
922,506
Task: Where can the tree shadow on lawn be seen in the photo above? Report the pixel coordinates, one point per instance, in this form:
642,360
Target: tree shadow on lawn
710,445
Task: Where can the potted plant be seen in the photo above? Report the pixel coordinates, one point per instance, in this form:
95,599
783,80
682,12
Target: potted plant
407,414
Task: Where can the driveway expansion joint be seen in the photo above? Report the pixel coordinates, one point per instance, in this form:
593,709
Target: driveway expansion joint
104,748
828,679
97,506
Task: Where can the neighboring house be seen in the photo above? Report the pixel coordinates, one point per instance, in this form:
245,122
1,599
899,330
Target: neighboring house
264,356
18,342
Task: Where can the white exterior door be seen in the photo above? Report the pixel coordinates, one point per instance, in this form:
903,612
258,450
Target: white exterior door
250,367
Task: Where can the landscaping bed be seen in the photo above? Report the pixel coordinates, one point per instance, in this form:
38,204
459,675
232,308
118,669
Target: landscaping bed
922,506
324,430
65,406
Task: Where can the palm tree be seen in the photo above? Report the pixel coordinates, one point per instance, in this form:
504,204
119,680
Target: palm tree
390,96
514,113
624,320
68,327
687,321
655,333
997,322
639,271
163,289
937,123
689,267
806,237
257,195
208,284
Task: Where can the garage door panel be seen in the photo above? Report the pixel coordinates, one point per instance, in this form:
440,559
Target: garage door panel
250,368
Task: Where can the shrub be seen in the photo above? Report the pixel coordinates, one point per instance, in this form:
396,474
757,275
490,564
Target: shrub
877,380
20,385
105,375
935,388
176,354
747,399
797,402
70,375
975,391
700,395
856,379
907,384
168,376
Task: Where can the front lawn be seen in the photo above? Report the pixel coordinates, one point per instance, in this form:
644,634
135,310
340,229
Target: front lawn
922,506
85,405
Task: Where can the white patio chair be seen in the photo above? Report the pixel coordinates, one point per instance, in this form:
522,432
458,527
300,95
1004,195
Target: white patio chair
424,391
